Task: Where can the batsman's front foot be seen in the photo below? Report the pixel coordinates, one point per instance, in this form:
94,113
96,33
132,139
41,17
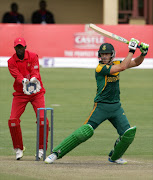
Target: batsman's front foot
19,153
118,161
51,158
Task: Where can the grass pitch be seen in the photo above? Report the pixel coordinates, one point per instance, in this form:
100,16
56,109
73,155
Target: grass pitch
71,92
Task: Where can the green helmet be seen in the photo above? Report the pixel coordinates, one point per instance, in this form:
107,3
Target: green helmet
106,48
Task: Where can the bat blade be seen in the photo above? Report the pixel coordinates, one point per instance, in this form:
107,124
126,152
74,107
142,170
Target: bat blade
108,34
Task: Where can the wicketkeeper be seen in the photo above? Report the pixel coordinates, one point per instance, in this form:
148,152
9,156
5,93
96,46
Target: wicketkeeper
107,104
24,67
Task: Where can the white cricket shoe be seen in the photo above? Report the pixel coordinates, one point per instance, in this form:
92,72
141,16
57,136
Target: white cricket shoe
41,153
118,161
51,158
19,153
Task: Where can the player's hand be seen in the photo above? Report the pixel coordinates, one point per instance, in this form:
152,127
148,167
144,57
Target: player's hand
25,82
133,45
37,82
144,49
33,80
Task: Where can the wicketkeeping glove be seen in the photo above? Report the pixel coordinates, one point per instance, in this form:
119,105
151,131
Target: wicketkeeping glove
133,45
37,82
25,82
144,49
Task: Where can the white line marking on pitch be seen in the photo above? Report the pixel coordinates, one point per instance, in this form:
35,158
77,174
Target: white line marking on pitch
55,105
140,162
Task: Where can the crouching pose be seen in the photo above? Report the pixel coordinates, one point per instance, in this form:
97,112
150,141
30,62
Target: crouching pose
107,104
24,67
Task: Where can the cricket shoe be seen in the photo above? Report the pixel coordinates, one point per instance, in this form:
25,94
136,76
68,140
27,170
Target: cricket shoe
51,158
19,153
118,161
41,153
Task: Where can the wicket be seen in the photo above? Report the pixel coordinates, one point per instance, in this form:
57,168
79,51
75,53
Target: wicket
51,129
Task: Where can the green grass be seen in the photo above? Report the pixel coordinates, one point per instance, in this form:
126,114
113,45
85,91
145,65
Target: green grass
15,177
74,90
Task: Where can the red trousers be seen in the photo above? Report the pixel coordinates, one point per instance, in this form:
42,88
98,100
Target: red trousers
20,101
18,107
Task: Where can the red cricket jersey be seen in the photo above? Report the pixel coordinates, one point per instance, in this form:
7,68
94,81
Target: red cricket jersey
26,68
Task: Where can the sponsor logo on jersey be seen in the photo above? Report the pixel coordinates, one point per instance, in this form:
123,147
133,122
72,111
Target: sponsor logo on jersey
113,79
35,67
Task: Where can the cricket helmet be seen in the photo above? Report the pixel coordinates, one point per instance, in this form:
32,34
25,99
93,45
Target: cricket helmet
106,48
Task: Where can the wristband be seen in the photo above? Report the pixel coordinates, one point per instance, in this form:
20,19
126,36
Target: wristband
132,51
143,54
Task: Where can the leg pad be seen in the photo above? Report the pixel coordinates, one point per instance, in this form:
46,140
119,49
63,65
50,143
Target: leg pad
41,133
16,134
77,137
123,143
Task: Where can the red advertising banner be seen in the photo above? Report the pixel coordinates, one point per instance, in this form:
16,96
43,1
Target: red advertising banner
71,40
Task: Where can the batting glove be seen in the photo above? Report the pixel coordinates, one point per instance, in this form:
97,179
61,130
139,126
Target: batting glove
133,45
144,49
37,82
25,82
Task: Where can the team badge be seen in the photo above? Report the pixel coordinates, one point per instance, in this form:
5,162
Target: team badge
28,64
104,47
36,67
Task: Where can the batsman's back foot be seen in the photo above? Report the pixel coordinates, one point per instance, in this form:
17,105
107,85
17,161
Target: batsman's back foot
51,158
118,161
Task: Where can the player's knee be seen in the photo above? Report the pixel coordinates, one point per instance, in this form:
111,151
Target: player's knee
123,129
13,122
129,134
84,132
123,143
93,124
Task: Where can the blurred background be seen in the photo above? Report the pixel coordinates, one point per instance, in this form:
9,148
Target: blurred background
110,12
58,31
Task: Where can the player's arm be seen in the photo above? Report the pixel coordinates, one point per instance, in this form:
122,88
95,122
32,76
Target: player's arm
34,75
18,76
35,67
138,60
126,62
15,72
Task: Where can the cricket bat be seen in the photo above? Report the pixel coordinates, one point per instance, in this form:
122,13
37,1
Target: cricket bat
109,34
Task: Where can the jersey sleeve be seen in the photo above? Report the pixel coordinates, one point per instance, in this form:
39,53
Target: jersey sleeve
35,67
103,69
117,62
15,72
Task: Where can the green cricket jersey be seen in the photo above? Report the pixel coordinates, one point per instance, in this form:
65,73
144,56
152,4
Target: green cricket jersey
108,90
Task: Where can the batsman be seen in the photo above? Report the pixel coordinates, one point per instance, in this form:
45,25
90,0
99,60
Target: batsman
107,105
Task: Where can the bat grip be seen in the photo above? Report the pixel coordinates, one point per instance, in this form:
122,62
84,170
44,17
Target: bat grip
137,45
